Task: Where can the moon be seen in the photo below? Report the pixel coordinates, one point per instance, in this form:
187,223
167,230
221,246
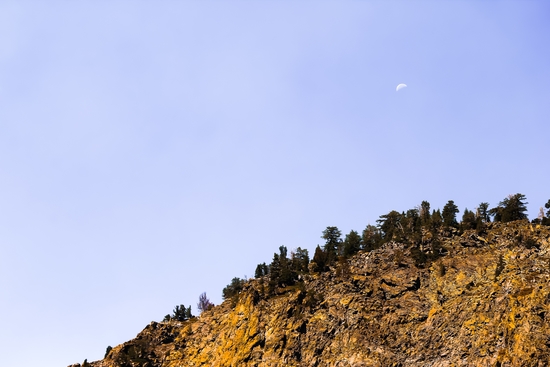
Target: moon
400,86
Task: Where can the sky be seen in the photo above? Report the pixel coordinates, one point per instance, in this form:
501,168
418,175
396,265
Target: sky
153,150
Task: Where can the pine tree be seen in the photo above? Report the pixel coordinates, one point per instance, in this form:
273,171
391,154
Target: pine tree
480,226
483,212
181,313
261,270
511,208
352,244
286,276
320,260
424,213
332,245
412,223
390,225
437,220
299,260
188,314
274,272
469,220
232,290
449,214
372,238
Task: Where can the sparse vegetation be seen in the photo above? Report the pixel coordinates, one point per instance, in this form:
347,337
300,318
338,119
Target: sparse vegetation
420,231
474,263
204,303
180,313
232,290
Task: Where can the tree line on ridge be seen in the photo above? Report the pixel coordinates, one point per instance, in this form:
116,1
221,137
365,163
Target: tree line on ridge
412,228
420,228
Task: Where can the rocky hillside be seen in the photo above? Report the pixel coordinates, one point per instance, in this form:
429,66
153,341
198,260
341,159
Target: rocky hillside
486,302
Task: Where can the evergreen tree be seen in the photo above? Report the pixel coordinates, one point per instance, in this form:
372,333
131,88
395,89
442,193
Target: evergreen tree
281,273
333,242
437,220
352,244
511,208
424,213
287,275
412,221
449,214
261,270
320,259
372,238
480,226
188,313
299,260
483,212
390,225
233,289
181,313
469,220
274,272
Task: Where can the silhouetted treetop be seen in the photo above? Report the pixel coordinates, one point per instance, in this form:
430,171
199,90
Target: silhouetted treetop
333,242
352,244
483,212
512,208
449,214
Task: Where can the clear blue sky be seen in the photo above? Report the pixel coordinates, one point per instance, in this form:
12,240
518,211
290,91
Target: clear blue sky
152,150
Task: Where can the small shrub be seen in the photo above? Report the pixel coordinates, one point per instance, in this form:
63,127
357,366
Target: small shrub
233,289
181,313
109,348
204,303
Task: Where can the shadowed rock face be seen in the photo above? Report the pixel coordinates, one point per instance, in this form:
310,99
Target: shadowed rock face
486,303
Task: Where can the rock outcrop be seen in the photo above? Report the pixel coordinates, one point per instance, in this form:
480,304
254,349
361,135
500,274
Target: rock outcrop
486,302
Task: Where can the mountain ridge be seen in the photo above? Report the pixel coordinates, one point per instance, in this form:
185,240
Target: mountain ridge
485,302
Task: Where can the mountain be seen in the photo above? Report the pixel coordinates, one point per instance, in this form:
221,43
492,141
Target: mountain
484,302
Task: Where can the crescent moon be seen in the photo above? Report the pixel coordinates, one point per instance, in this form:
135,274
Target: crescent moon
400,86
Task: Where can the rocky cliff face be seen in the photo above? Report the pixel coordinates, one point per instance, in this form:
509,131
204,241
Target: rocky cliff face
485,303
